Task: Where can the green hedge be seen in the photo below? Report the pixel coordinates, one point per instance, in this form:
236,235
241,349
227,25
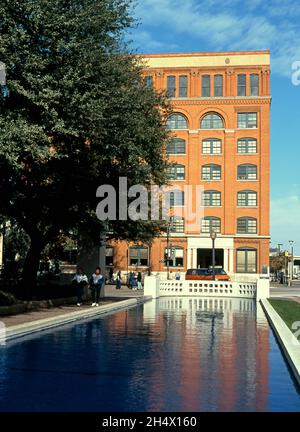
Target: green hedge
7,299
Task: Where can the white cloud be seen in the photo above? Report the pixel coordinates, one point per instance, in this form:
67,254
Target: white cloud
228,25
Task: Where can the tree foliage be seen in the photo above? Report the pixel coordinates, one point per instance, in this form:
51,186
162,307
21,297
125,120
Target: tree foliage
78,115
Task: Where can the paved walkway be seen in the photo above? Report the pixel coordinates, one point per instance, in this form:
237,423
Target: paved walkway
112,295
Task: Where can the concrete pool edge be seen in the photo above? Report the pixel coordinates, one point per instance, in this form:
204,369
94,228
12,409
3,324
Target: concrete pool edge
25,329
288,342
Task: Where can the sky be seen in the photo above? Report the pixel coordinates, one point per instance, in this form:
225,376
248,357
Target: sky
236,25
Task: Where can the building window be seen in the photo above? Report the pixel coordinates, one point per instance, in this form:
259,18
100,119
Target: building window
171,86
211,172
175,197
218,85
211,146
247,145
212,121
174,255
241,90
246,260
247,120
246,225
148,81
211,223
254,85
247,198
176,172
109,256
176,146
247,172
177,121
177,225
183,86
205,86
211,198
138,256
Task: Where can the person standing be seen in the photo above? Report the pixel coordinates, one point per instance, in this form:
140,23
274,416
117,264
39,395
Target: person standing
118,280
177,275
139,280
80,280
131,280
96,283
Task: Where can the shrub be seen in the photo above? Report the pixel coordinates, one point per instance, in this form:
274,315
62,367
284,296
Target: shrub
7,299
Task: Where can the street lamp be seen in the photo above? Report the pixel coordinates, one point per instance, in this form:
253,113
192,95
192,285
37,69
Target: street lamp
291,242
279,244
169,225
213,236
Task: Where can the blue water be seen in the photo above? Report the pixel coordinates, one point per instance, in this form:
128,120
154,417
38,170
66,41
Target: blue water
167,355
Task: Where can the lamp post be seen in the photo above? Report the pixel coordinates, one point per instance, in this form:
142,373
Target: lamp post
291,242
170,222
279,244
213,236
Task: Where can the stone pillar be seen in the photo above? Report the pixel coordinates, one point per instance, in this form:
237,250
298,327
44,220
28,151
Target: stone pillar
226,266
262,289
230,260
194,264
151,286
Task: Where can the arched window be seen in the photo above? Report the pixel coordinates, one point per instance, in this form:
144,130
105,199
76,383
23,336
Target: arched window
247,198
246,225
212,121
246,260
174,255
138,256
177,121
247,145
211,223
247,172
175,197
176,146
211,172
211,198
176,172
211,146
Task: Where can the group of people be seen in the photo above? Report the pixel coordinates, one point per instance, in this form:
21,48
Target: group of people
96,282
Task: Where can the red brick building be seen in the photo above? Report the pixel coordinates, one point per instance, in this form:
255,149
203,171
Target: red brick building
221,141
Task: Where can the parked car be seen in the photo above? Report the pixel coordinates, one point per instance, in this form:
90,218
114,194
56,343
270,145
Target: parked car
206,274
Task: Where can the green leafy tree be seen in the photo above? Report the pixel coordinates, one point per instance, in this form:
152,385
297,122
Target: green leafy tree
77,115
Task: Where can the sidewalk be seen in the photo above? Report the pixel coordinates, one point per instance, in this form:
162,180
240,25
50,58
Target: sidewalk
112,296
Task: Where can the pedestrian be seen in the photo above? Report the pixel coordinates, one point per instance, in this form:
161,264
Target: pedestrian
96,283
80,280
111,273
131,281
119,280
139,280
177,275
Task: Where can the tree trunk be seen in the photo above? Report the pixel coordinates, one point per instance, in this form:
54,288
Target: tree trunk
30,269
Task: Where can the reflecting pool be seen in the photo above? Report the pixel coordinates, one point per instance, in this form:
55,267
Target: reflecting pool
169,354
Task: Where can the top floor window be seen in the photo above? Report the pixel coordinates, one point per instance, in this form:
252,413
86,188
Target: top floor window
148,81
212,121
254,85
177,121
218,85
241,85
171,86
247,120
183,86
205,86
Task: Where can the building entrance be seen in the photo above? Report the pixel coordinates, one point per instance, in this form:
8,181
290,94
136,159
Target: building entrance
204,258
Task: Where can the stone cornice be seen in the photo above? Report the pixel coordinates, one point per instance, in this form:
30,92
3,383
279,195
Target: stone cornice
221,101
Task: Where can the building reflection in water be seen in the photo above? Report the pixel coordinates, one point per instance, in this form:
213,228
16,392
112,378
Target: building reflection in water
204,354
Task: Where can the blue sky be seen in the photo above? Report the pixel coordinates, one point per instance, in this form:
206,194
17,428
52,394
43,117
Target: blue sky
230,25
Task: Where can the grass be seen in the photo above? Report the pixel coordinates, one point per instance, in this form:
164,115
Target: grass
288,310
